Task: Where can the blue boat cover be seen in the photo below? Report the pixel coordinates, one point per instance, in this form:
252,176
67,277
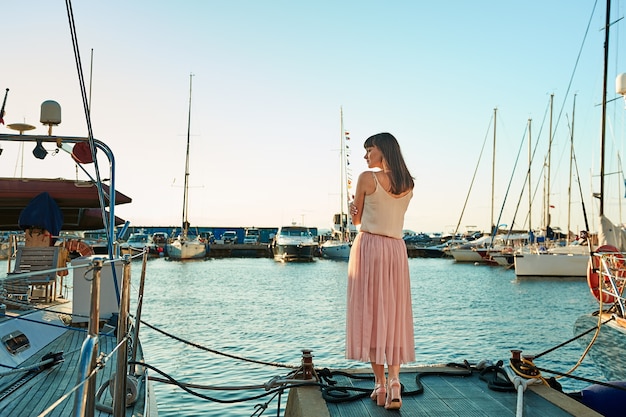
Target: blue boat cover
42,212
605,400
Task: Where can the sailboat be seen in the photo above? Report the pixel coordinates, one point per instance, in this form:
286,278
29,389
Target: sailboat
478,249
185,246
65,347
606,274
554,261
343,231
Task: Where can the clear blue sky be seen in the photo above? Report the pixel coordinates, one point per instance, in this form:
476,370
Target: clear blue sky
271,77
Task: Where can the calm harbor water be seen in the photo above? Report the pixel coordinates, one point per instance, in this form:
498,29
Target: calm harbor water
268,311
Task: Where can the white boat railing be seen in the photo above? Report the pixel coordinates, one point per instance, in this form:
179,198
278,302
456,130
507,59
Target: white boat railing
612,273
86,393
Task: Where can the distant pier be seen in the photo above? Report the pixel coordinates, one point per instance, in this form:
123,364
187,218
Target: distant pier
239,250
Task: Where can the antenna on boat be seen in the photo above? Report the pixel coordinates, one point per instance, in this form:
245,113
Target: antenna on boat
50,114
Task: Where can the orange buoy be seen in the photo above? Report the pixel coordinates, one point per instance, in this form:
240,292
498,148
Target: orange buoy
75,246
593,273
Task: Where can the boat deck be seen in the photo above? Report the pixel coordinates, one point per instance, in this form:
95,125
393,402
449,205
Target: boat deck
40,390
443,393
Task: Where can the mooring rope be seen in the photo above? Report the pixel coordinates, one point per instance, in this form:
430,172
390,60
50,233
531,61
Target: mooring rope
217,352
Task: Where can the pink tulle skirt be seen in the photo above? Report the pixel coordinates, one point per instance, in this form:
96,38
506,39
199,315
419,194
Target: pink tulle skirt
379,325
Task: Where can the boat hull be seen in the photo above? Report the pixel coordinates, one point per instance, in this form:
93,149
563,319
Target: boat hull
294,252
503,259
182,250
607,351
551,265
335,250
466,255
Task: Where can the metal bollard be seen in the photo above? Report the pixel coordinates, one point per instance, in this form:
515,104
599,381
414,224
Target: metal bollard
307,364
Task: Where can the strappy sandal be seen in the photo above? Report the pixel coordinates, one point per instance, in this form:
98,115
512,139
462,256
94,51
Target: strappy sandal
379,394
394,401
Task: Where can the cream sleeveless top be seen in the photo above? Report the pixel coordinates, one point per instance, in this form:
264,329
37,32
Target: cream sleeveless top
383,214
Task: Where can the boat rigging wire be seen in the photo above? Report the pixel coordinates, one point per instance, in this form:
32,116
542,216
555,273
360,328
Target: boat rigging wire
456,230
508,188
83,91
580,190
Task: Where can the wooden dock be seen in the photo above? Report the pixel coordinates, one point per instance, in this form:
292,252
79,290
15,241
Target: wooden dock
243,250
432,391
263,250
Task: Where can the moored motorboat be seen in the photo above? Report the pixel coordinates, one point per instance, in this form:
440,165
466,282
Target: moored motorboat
472,251
137,242
294,244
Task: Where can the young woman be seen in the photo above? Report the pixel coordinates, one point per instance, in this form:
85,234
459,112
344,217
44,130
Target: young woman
379,313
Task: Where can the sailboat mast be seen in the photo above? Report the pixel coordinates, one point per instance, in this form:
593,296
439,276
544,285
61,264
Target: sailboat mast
603,128
549,162
345,198
530,194
493,174
342,175
186,187
571,163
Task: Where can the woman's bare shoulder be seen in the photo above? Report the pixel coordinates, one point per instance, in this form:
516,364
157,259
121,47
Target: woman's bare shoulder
367,182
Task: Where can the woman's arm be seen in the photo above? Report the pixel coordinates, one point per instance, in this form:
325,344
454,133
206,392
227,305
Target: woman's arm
364,186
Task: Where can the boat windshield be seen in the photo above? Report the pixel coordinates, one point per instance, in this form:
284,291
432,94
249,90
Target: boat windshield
295,232
138,238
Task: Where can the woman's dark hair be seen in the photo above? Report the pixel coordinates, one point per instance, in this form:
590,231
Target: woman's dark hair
401,179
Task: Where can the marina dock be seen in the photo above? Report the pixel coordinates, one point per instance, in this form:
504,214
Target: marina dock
432,391
244,250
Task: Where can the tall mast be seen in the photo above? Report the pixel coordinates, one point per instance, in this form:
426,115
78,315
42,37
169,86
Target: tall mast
530,194
549,163
571,162
603,128
493,174
186,187
342,173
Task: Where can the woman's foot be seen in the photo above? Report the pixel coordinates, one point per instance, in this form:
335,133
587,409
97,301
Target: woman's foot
394,401
379,394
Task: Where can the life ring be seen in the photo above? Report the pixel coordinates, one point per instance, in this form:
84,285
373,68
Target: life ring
593,273
79,247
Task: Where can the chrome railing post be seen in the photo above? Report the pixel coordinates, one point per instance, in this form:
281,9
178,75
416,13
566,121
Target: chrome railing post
84,401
